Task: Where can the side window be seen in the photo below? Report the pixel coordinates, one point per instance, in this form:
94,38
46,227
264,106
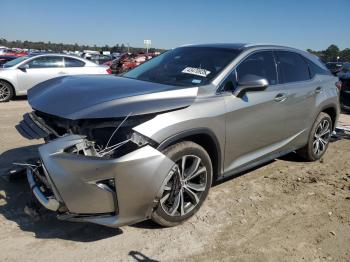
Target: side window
46,62
261,64
71,62
293,68
316,70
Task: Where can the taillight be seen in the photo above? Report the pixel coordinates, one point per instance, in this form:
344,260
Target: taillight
109,71
339,85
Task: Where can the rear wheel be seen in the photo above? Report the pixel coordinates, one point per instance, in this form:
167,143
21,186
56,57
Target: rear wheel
318,139
6,91
186,185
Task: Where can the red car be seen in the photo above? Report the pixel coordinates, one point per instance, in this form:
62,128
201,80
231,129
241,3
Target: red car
127,62
11,52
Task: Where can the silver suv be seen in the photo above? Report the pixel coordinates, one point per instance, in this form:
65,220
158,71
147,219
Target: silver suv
149,144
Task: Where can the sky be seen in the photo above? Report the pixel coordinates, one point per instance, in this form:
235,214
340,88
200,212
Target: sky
304,24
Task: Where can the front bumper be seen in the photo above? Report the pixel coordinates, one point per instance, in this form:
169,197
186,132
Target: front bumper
50,203
77,183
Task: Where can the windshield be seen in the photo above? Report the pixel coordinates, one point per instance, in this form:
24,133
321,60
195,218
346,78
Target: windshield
185,66
15,61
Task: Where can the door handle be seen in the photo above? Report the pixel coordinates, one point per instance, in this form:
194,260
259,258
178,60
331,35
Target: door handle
318,90
280,97
62,73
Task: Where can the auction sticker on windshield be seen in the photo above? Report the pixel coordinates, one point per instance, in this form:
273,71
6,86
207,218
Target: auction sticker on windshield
196,71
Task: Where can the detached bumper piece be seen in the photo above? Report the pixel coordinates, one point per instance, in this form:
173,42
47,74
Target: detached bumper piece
32,127
48,202
110,192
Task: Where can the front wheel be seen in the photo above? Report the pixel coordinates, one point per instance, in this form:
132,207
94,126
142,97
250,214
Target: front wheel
186,185
6,91
318,139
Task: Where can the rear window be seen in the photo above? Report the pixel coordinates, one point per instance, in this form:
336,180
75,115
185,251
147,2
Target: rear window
71,62
292,67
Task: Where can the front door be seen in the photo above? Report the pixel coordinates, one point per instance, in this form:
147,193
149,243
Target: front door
255,122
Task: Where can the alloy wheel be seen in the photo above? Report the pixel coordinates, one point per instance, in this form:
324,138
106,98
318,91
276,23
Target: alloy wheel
184,186
321,137
5,92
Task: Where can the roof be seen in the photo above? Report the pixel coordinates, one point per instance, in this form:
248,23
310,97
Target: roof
55,54
236,46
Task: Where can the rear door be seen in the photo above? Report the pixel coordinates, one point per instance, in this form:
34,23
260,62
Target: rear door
40,69
255,123
301,91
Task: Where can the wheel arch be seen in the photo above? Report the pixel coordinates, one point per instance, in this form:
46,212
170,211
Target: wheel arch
332,112
12,86
203,137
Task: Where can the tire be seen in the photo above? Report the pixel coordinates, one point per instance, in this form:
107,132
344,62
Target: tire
184,193
6,91
317,143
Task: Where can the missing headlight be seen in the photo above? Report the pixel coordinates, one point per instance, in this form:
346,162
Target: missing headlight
111,142
85,147
140,140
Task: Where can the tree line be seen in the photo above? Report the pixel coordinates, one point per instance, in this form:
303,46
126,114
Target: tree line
332,54
59,47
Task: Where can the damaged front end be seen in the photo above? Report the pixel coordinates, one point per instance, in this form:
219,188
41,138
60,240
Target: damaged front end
95,170
103,135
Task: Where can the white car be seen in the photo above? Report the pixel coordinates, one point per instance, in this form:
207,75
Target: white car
21,74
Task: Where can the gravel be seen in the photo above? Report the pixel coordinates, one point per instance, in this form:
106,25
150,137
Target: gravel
287,210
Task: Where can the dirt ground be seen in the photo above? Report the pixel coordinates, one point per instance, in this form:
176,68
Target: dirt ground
287,210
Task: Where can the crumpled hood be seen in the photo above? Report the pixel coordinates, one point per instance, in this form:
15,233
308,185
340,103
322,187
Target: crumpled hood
103,96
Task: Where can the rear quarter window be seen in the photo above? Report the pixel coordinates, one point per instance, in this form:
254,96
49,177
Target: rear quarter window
72,62
315,69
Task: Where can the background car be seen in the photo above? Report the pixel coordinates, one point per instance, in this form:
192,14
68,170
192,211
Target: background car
127,62
334,67
19,75
6,58
344,77
101,59
116,64
12,52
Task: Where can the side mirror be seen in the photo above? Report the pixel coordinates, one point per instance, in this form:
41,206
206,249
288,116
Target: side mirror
23,67
250,83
